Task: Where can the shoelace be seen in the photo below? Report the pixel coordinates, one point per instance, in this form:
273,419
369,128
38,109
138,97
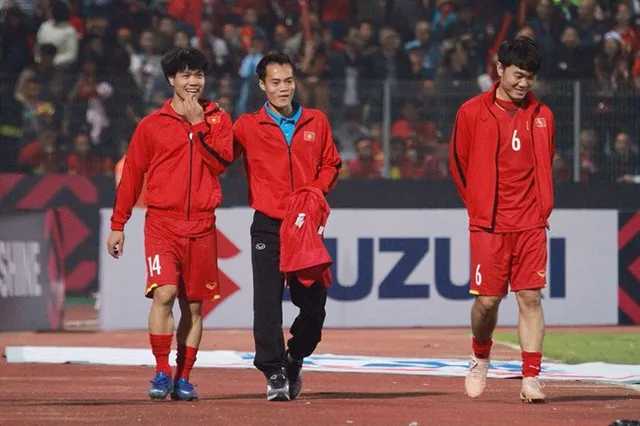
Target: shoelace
186,386
160,381
475,371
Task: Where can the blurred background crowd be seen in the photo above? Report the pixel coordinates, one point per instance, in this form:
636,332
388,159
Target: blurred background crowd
77,76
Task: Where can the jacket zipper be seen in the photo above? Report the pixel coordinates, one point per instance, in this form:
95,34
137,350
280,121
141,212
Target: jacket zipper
288,153
290,164
295,130
190,173
495,196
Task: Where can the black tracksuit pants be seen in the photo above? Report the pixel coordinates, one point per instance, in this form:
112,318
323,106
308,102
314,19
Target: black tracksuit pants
268,285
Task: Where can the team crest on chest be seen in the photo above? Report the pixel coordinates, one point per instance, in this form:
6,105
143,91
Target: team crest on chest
541,122
309,136
214,120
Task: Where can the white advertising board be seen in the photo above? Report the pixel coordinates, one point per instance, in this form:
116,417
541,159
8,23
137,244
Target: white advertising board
392,268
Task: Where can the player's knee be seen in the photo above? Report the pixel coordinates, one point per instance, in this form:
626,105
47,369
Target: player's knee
165,295
488,304
192,309
529,300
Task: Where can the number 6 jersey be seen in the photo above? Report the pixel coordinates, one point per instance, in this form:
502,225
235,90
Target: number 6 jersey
500,159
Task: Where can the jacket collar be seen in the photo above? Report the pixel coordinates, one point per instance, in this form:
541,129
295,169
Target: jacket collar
208,106
264,118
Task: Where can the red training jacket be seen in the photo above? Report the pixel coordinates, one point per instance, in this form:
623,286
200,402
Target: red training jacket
117,172
187,11
474,156
274,169
181,162
302,249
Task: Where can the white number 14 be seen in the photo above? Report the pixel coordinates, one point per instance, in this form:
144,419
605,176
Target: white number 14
154,265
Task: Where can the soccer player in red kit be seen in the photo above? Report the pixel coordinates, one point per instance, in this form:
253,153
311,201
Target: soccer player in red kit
181,148
500,156
286,147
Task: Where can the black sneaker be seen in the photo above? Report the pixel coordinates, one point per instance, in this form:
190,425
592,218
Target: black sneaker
294,374
278,387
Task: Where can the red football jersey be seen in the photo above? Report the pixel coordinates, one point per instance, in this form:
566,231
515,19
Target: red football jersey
517,208
475,145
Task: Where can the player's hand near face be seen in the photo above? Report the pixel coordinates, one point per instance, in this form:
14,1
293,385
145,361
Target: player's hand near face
193,111
115,244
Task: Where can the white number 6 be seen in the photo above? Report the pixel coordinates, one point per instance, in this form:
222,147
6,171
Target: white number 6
478,276
515,141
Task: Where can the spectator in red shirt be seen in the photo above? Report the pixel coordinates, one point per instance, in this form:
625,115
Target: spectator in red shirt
187,11
588,151
41,156
365,165
82,160
436,165
629,35
413,160
561,172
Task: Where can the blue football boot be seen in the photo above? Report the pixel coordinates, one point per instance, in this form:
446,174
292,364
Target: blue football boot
161,386
183,391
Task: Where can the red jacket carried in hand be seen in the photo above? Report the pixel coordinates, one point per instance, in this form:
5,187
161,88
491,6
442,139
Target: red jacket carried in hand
474,155
302,249
181,162
274,168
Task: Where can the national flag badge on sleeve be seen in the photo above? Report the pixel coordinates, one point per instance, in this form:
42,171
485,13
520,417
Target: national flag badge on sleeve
541,122
215,119
309,136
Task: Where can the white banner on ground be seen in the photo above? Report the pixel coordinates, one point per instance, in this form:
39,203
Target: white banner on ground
393,268
592,372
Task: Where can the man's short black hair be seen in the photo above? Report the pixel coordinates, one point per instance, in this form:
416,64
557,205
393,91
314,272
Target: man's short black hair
271,58
521,52
60,11
179,59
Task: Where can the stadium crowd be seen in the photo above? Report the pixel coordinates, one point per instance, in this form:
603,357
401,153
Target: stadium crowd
76,76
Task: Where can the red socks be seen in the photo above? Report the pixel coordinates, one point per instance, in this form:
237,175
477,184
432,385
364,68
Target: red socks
185,358
482,348
161,347
531,363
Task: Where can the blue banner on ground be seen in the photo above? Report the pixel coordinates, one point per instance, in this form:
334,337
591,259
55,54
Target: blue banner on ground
589,372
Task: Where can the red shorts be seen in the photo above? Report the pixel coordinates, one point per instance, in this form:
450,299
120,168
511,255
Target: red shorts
189,262
516,260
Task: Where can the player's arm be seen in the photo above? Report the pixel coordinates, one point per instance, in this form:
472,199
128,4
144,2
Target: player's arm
239,139
459,152
330,164
213,139
135,166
